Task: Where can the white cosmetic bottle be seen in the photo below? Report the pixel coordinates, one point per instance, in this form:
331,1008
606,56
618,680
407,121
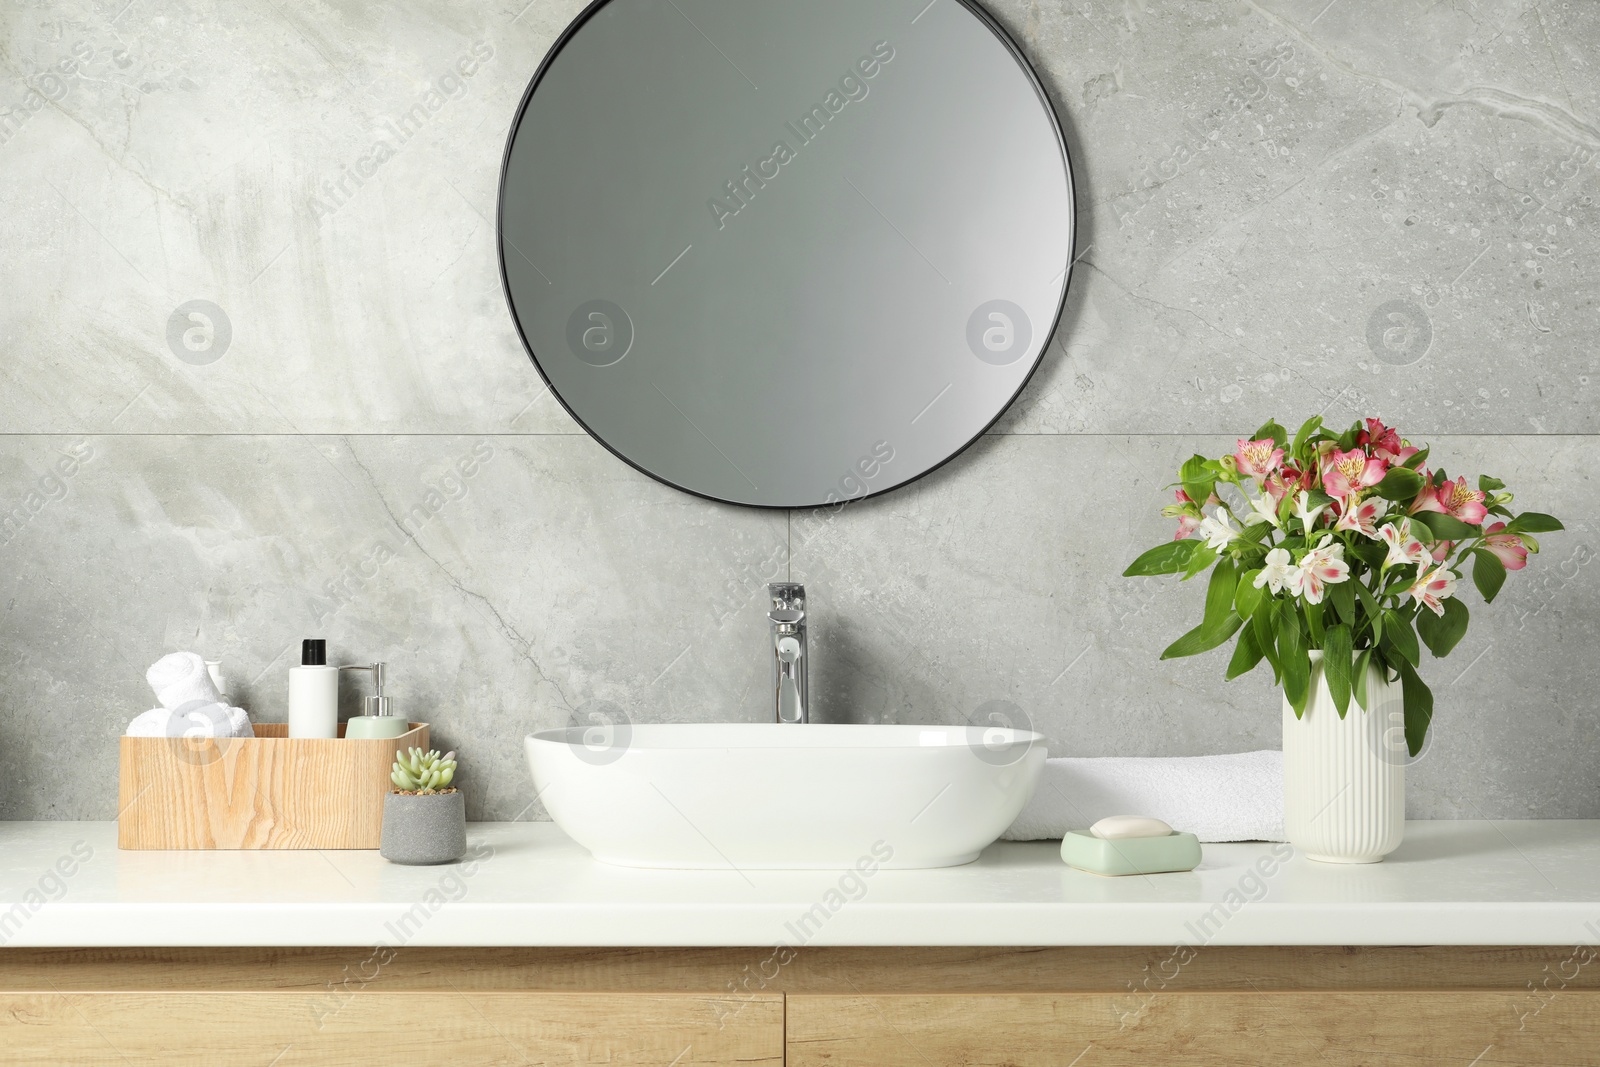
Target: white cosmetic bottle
314,693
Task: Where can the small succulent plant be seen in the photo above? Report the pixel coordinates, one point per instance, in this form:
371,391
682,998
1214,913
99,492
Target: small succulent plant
417,771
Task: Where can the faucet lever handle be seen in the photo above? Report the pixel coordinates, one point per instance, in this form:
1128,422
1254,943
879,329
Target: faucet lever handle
786,616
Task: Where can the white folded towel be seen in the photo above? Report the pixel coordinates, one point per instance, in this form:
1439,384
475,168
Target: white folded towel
196,720
181,678
1216,798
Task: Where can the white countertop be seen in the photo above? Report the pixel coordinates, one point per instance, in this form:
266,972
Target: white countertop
1463,883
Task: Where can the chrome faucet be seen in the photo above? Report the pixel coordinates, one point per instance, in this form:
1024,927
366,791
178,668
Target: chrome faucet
788,624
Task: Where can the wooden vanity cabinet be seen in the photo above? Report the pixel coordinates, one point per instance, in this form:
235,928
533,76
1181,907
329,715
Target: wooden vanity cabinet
873,1007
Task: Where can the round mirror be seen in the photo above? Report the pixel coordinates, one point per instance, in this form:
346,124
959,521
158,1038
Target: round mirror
785,252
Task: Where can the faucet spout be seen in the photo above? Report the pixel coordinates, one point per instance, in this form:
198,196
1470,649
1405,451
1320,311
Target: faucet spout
787,619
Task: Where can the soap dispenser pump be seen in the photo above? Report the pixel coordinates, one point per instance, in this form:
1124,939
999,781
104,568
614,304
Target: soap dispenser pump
378,721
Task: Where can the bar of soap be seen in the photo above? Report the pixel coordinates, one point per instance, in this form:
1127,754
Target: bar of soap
1119,827
1130,855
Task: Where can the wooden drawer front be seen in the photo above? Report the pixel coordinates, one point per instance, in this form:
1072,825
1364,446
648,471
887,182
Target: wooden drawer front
1454,1029
385,1029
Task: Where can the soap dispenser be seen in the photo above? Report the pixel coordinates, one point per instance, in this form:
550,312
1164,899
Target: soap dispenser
379,721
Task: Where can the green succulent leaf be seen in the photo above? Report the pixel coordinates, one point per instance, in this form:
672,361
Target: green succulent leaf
416,771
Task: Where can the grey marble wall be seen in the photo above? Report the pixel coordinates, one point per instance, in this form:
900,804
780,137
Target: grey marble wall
1288,207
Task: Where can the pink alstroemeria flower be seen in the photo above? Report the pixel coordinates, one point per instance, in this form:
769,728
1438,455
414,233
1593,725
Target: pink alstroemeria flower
1345,473
1508,548
1257,458
1441,550
1320,568
1433,588
1465,504
1403,548
1188,518
1385,443
1361,517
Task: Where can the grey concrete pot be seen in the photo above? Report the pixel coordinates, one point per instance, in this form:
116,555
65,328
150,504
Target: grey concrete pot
424,828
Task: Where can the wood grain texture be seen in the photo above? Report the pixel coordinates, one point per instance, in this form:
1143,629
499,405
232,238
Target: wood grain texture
269,791
384,1029
1397,1029
743,971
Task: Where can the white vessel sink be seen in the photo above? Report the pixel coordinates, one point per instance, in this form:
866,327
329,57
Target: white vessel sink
770,795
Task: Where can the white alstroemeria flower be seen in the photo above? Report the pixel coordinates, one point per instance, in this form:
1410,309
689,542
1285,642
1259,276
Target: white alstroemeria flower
1306,513
1217,530
1403,547
1279,571
1263,509
1321,567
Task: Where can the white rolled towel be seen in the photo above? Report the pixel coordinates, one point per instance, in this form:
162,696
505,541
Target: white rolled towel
181,678
1217,798
195,720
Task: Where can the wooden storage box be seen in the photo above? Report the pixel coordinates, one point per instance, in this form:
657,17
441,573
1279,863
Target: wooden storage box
267,791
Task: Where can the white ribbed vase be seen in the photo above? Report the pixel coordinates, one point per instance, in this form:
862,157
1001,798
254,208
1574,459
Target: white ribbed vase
1344,780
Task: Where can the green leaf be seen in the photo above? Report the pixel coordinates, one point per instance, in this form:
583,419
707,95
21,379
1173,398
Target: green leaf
1271,429
1488,573
1445,527
1359,675
1418,700
1534,522
1336,665
1400,483
1247,596
1343,598
1170,558
1266,630
1441,633
1198,480
1398,635
1204,638
1347,440
1490,485
1246,654
1296,663
1307,428
1313,614
1417,459
1368,601
1219,593
1204,556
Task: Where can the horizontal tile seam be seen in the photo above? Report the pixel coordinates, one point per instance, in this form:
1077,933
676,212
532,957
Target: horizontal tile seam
1423,434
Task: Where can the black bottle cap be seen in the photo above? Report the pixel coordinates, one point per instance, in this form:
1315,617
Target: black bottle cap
313,652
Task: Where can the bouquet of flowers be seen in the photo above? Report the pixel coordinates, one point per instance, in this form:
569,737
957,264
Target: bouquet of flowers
1345,543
